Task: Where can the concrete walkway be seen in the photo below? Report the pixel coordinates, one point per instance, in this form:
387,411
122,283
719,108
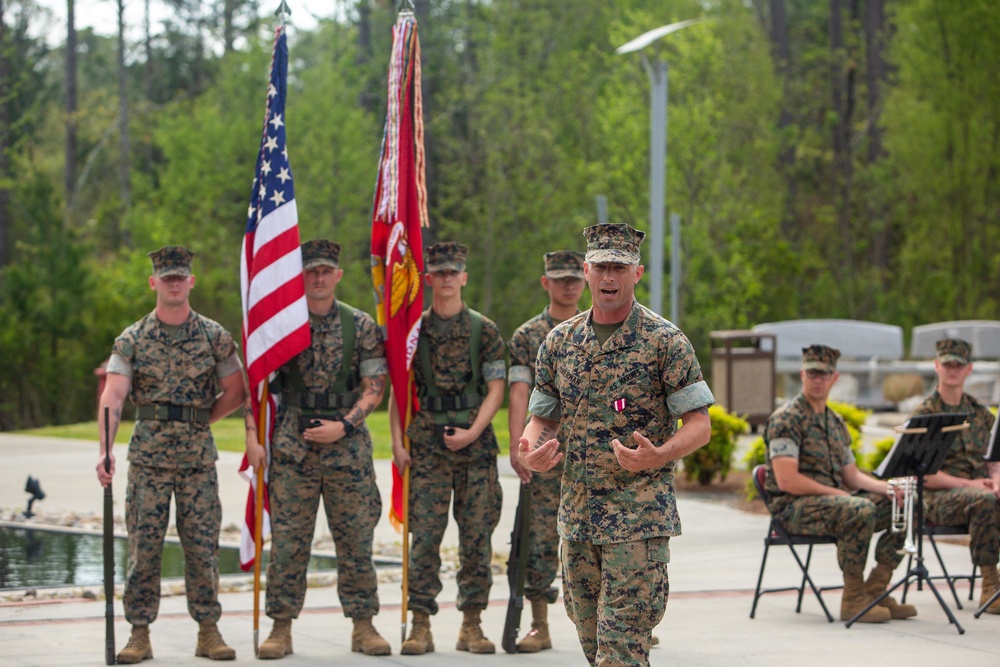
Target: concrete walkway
713,574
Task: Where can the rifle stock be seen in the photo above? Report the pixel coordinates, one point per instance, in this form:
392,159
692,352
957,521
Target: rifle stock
516,565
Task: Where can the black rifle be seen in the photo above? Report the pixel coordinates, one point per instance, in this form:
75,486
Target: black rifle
516,564
109,552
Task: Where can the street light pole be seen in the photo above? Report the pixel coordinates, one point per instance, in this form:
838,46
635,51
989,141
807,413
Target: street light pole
657,72
656,69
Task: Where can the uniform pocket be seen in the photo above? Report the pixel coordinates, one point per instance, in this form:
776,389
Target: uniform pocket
658,550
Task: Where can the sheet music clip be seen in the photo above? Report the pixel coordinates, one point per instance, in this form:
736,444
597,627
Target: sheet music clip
920,449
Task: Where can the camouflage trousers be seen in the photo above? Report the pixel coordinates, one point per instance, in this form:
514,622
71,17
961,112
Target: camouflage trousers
543,550
434,477
199,515
616,594
352,504
975,508
853,520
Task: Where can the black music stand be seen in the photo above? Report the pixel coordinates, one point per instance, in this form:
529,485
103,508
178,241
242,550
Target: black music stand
992,454
920,449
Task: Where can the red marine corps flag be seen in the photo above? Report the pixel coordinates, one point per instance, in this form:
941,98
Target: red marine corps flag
399,211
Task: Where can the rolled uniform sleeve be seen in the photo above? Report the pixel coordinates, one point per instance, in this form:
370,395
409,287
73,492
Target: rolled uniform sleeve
492,349
372,353
783,446
520,359
118,365
520,374
544,402
692,397
228,366
681,374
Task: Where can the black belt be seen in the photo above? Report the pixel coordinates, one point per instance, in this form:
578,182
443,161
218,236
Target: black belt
448,403
322,401
173,413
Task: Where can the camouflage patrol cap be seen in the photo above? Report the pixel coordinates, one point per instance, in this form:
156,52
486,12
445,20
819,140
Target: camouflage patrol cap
954,349
822,357
445,256
320,252
564,264
171,260
613,243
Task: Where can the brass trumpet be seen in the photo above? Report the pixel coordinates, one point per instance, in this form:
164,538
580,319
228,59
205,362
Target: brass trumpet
902,515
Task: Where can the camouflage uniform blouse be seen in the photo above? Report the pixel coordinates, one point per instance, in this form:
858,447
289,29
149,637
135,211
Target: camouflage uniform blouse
524,344
965,457
820,442
174,370
448,345
320,365
651,364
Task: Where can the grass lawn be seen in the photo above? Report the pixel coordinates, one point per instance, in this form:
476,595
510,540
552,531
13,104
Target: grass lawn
229,434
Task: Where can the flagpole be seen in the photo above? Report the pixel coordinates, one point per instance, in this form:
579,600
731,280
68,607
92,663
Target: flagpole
406,506
258,537
281,12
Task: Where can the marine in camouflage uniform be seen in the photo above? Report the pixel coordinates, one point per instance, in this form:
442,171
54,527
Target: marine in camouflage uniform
815,488
321,448
616,374
453,451
965,491
173,363
563,280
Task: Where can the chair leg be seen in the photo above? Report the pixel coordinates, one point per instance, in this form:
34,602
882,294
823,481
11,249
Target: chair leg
947,577
812,585
760,579
972,579
802,586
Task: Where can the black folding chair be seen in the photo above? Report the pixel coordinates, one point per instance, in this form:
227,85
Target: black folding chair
930,530
776,534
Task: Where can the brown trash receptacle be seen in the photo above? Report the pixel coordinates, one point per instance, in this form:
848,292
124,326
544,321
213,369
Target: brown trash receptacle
743,373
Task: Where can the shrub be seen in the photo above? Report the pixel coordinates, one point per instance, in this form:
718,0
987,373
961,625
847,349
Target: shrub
715,458
874,459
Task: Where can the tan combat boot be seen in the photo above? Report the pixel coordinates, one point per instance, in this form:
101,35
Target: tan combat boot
538,638
470,637
420,640
279,642
210,643
138,647
991,582
366,639
877,582
855,599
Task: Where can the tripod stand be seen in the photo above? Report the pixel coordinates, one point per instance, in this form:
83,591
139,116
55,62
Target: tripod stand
992,455
986,605
919,450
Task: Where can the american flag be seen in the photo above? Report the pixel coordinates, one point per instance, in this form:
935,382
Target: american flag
275,316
